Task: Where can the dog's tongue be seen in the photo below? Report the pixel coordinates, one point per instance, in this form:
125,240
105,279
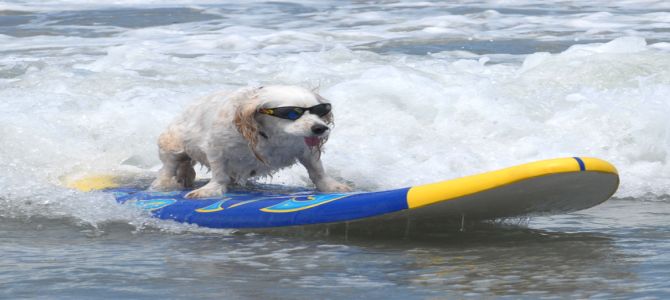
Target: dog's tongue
312,141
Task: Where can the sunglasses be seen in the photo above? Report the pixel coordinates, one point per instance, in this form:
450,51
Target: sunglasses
294,112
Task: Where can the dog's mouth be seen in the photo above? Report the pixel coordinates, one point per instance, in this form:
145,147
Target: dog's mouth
312,141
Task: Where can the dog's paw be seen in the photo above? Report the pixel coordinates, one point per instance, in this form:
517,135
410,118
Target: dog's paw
341,188
205,192
165,184
332,186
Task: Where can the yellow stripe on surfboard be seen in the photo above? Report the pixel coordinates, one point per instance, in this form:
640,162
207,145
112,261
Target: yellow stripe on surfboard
423,195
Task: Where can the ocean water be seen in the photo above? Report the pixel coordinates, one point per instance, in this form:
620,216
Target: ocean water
422,91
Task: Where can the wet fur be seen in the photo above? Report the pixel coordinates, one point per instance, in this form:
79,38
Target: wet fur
224,132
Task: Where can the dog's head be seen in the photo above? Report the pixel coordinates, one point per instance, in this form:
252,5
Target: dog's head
285,112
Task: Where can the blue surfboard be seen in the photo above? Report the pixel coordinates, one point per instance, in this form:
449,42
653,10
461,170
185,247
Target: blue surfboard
555,186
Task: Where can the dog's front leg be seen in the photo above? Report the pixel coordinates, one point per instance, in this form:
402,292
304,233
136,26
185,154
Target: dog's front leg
216,186
317,174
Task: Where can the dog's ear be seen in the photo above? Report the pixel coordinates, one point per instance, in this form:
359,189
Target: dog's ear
246,123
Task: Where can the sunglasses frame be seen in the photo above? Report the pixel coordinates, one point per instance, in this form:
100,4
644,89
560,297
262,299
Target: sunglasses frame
296,110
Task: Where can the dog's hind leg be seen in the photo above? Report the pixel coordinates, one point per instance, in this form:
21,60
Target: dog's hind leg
171,153
167,176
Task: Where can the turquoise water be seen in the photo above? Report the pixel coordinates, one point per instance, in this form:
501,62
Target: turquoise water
422,91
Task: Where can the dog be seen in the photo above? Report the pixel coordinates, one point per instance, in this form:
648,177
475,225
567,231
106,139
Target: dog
251,132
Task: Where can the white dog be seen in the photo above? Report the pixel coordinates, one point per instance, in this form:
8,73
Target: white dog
250,132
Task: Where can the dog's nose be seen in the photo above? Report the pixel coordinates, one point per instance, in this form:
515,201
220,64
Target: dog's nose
319,129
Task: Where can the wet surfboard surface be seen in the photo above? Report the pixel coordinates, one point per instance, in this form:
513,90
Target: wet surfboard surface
555,186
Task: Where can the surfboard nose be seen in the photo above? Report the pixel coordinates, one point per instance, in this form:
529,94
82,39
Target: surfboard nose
428,194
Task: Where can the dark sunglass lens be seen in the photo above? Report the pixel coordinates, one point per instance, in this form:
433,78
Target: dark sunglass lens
321,109
290,113
293,115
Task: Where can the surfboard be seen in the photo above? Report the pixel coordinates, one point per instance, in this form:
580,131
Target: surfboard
555,186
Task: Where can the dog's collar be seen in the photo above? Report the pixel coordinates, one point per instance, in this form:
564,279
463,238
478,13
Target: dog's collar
263,135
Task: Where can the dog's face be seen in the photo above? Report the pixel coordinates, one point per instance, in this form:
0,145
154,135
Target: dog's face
314,129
